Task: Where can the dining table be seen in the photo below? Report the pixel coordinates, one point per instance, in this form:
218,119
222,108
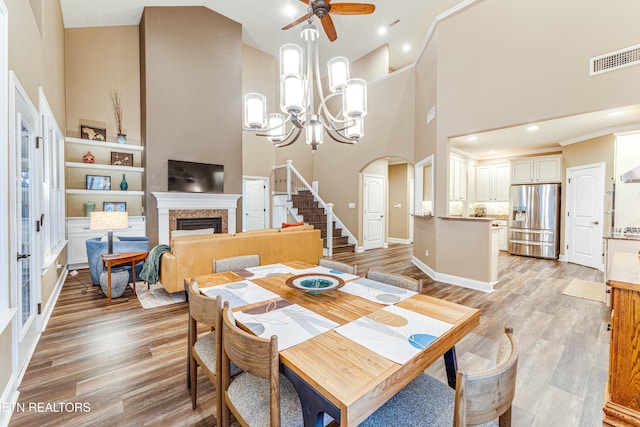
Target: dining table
336,375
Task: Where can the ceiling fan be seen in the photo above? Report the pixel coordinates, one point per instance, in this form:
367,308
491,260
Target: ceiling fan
322,8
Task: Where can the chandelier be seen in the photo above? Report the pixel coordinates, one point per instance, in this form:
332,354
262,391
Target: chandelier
297,103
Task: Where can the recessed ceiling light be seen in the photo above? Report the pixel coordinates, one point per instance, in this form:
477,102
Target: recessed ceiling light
382,30
615,113
472,138
533,128
406,48
289,11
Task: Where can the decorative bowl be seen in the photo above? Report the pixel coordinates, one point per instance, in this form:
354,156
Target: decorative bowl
315,283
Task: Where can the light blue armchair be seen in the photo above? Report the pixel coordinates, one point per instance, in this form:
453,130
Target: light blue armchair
96,247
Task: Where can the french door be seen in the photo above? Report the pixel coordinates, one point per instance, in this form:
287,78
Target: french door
24,254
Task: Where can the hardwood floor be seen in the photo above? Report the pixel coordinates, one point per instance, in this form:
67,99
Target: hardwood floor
128,364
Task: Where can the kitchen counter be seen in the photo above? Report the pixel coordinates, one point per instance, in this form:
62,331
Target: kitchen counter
623,236
466,218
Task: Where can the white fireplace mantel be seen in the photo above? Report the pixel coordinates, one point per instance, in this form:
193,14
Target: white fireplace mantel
172,200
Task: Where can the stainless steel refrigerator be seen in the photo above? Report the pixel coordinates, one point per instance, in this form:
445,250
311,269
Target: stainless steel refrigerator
534,220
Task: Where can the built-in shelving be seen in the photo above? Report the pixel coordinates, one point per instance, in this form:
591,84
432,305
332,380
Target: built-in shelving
100,144
104,167
105,192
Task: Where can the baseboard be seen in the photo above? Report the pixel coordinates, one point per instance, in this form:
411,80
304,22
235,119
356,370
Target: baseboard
359,249
401,241
385,245
464,282
8,401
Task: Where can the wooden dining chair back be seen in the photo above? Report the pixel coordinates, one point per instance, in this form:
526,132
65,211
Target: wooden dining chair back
484,396
260,395
236,263
204,351
337,265
396,280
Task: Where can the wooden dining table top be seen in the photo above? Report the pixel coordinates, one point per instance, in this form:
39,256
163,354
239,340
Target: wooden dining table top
354,378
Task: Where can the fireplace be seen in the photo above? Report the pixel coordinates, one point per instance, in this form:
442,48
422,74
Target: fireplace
199,223
174,206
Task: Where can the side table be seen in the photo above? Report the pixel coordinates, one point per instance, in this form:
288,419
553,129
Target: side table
119,259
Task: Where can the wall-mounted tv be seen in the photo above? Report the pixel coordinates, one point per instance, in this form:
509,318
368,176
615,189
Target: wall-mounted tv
191,177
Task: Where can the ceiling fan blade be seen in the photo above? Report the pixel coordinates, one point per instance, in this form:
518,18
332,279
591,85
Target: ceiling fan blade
352,8
329,28
296,22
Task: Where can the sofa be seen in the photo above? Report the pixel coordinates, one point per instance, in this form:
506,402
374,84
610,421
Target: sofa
96,247
192,256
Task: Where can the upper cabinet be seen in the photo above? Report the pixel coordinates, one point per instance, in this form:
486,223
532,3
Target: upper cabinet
492,182
536,169
457,178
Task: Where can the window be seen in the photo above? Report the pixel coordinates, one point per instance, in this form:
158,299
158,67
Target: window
52,172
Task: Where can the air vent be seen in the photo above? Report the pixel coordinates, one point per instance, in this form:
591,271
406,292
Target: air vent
615,60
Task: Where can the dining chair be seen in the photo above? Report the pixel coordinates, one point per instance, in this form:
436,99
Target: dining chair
236,263
337,265
261,395
204,351
479,397
396,280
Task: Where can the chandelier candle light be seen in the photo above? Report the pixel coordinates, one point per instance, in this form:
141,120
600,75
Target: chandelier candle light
296,99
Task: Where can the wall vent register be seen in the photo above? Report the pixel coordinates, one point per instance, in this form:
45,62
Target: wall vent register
615,60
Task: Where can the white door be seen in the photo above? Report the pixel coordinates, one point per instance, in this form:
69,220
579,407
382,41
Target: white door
412,189
585,212
24,219
373,202
255,197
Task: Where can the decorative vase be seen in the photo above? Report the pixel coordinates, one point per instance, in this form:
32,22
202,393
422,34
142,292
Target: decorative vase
119,282
123,184
122,138
88,158
89,206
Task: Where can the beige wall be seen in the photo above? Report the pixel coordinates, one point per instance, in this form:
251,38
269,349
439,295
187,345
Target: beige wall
192,103
399,194
371,66
591,151
97,60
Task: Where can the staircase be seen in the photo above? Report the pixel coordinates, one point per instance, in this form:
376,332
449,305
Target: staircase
312,213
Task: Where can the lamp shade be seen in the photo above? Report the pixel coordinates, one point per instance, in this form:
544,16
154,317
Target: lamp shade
292,96
291,59
338,68
255,108
354,99
275,127
355,129
108,221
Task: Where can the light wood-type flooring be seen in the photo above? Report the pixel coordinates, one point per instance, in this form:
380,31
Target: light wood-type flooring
127,365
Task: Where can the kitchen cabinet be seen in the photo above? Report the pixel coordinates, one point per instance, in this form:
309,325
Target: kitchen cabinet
503,242
536,169
621,406
457,178
493,182
78,232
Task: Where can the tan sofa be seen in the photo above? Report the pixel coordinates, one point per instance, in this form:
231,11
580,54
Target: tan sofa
193,255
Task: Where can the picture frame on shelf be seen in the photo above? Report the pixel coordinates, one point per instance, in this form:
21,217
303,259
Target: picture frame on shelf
121,159
114,206
93,133
98,182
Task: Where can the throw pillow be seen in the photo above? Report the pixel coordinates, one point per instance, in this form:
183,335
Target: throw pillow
292,224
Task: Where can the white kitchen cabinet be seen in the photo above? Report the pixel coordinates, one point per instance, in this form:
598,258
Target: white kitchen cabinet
78,232
457,178
536,169
503,243
493,182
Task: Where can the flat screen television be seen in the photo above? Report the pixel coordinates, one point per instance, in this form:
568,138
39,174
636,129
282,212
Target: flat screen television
191,177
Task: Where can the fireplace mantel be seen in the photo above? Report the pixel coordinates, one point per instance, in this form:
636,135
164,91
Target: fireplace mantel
173,200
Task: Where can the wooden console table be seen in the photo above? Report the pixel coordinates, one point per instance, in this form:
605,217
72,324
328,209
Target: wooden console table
622,394
123,258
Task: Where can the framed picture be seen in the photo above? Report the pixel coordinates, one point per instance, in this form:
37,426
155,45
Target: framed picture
121,159
93,133
98,182
114,206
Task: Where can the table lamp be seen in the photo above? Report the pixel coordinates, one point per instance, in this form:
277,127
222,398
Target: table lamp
109,221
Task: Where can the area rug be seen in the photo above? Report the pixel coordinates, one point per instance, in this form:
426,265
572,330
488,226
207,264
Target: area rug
157,296
585,289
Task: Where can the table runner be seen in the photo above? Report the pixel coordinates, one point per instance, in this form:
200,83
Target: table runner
395,333
324,270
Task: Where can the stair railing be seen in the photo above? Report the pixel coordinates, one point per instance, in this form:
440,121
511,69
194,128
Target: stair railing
294,182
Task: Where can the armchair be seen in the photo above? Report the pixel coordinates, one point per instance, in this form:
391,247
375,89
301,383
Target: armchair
96,247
